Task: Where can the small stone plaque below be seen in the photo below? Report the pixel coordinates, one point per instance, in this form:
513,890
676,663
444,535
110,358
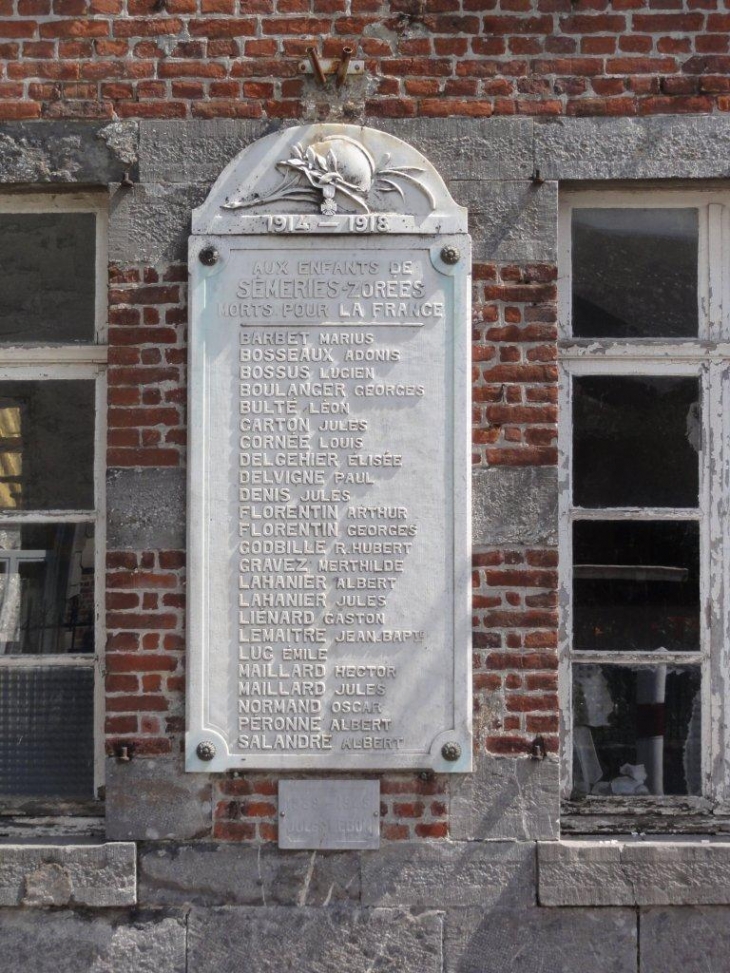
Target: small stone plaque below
329,814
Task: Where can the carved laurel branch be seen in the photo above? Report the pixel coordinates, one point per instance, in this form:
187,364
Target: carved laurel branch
337,165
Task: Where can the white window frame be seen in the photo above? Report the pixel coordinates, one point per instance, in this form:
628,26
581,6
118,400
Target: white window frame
39,361
708,358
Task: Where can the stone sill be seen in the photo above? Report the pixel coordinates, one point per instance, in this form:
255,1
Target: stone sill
94,876
634,872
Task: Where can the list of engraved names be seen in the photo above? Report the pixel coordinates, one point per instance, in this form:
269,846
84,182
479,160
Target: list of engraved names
342,377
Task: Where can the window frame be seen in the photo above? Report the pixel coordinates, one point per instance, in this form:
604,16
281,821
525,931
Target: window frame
707,357
43,361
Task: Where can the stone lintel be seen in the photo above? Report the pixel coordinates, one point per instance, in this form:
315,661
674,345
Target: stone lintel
67,152
660,147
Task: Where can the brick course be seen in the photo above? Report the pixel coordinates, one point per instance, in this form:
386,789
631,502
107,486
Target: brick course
239,59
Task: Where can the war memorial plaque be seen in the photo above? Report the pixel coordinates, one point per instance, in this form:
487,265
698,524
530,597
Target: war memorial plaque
329,574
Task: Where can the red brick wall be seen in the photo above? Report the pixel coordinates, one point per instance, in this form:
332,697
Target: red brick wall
515,615
514,396
147,355
238,58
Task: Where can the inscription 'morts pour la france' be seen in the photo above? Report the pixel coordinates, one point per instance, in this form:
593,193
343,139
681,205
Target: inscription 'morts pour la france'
329,570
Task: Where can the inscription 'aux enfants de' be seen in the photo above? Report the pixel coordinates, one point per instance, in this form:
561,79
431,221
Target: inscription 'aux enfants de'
329,611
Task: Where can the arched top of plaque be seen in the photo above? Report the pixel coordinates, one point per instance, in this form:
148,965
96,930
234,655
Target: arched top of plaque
329,179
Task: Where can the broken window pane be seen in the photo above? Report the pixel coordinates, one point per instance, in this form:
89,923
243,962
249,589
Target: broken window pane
636,441
635,273
48,291
47,445
47,732
636,586
46,589
637,730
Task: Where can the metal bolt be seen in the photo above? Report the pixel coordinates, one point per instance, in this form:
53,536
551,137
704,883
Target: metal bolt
209,256
538,751
451,255
451,751
205,750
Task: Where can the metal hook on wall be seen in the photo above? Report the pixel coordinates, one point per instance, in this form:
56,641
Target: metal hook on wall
344,66
316,65
341,68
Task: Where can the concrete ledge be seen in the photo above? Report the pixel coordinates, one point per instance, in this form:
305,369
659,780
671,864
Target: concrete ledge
586,873
63,875
480,148
67,152
151,223
668,147
196,150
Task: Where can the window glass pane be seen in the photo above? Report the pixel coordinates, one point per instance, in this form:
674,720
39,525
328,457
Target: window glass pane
637,730
636,586
636,441
47,732
46,589
47,445
49,275
635,273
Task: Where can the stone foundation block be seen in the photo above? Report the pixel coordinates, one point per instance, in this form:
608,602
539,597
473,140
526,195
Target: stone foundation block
442,875
61,875
225,874
544,940
634,873
685,940
65,942
334,940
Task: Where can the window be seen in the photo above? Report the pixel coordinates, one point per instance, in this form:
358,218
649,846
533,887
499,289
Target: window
645,487
52,391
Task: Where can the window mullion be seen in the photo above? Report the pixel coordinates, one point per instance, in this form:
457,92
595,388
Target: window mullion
565,562
718,587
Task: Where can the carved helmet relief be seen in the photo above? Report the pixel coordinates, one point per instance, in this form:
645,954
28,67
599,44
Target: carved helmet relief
332,168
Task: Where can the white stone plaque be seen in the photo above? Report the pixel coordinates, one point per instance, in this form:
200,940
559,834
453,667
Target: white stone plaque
329,814
329,609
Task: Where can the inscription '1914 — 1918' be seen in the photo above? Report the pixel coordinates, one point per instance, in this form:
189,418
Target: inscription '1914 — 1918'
335,400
